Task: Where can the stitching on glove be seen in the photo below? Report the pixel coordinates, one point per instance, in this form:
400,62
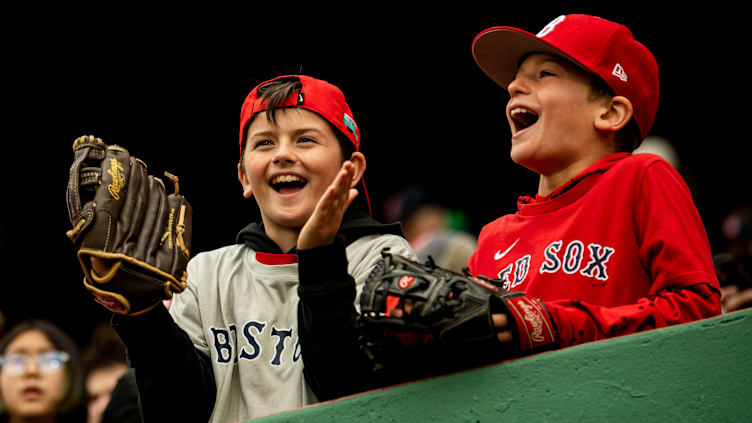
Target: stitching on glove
179,229
141,275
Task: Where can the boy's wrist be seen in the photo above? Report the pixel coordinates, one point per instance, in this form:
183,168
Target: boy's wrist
529,321
323,267
141,333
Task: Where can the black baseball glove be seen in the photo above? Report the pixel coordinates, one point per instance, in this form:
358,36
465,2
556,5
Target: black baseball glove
131,238
406,305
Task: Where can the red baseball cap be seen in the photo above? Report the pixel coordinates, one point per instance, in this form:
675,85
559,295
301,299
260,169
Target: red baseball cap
315,95
599,46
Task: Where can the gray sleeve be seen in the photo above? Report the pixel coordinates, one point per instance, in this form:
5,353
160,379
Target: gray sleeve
185,308
364,253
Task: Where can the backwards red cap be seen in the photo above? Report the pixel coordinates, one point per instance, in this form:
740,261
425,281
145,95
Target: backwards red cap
315,95
601,47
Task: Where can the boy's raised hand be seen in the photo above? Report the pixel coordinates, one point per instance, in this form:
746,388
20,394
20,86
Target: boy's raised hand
322,226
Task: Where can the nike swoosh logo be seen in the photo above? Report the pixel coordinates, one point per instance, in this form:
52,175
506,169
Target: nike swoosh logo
499,255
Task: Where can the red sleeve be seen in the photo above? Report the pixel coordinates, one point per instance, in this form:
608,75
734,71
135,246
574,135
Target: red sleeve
674,246
577,322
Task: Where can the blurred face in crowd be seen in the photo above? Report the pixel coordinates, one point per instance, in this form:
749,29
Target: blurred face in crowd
32,377
99,386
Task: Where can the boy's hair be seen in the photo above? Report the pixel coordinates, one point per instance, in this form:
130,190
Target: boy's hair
628,138
275,93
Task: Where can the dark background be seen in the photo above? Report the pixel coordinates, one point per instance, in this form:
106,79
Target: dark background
168,85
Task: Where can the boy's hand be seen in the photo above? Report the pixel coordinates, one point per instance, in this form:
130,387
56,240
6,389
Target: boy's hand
503,332
322,226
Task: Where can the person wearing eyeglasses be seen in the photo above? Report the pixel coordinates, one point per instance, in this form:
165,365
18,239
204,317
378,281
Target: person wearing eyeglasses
41,375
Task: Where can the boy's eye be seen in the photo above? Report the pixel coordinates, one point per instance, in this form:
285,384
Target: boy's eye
261,143
306,139
544,73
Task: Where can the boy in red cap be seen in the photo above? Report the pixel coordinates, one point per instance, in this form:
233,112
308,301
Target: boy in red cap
611,244
229,347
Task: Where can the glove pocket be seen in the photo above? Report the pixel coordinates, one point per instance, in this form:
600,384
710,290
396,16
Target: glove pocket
130,287
471,322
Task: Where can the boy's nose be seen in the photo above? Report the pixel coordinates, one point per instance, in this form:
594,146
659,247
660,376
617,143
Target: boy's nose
284,153
516,87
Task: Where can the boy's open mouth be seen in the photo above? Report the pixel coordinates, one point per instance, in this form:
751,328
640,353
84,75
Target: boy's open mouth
522,118
285,184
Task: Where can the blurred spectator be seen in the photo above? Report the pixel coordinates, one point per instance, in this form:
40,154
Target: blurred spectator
661,147
105,363
736,284
41,375
432,228
737,231
734,265
123,404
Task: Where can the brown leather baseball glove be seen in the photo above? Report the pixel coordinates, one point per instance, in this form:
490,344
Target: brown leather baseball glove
132,239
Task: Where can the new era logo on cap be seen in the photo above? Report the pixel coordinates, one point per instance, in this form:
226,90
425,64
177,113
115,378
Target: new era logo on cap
619,73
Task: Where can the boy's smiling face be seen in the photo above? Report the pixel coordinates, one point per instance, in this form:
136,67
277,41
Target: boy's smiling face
289,166
550,114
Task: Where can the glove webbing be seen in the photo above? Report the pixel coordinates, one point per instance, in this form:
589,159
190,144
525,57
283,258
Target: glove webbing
86,147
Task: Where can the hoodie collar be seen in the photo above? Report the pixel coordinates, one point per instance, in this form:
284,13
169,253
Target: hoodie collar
596,168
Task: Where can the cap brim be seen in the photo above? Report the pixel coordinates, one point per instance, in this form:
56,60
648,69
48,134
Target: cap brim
498,52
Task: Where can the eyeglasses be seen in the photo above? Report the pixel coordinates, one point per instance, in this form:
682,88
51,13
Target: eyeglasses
47,362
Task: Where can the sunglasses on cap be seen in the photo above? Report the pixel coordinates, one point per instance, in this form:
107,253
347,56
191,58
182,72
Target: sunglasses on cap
48,362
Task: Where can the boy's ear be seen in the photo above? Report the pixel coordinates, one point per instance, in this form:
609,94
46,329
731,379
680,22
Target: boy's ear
615,114
247,191
359,162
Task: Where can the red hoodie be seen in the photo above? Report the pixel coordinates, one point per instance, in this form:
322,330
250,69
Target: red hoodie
618,249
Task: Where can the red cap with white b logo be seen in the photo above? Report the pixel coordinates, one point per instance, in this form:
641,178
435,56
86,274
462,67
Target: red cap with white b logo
601,47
